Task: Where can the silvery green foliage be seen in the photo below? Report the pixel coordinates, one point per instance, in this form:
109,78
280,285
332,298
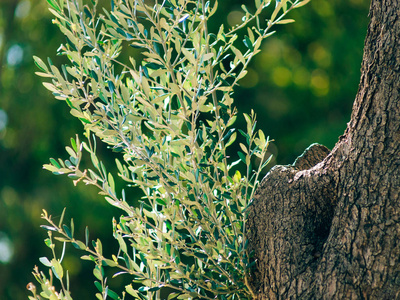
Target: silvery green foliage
171,117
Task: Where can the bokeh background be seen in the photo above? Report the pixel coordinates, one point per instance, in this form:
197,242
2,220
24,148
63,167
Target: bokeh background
302,86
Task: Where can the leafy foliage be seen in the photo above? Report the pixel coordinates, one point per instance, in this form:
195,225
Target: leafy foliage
171,117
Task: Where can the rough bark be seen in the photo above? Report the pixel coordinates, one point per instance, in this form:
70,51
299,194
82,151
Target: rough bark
328,226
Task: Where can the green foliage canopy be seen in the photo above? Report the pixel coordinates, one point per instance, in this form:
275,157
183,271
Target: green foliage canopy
171,116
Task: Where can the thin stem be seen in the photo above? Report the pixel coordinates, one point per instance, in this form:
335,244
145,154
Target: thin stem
214,94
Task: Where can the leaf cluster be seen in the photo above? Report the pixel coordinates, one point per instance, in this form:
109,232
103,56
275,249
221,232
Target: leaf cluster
171,116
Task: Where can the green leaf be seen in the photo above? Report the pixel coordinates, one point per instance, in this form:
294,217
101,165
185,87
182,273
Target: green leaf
160,201
232,138
55,163
109,263
67,231
243,147
189,55
184,296
50,87
99,287
40,64
97,273
50,228
242,74
87,12
46,75
111,183
111,86
53,4
51,168
262,137
73,144
145,86
79,245
207,56
88,257
242,157
245,8
128,261
129,289
301,3
277,9
57,268
45,261
99,247
112,294
172,296
71,152
122,244
94,75
238,54
85,121
48,243
62,217
286,21
149,289
248,43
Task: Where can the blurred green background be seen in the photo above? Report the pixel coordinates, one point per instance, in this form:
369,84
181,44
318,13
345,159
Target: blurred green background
302,87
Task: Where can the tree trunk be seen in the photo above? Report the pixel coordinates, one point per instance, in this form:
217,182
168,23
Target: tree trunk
328,226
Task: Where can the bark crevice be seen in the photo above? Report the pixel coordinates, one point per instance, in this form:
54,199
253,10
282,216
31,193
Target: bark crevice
294,225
